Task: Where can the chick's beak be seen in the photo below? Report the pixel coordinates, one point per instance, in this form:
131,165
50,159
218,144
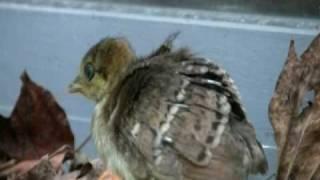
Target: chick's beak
74,87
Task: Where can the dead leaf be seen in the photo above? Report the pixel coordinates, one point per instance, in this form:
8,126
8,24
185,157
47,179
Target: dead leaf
297,128
38,167
43,170
37,126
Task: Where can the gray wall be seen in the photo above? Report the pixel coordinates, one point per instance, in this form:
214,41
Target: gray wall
50,42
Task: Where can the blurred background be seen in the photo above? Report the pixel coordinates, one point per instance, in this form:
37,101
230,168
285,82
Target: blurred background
306,8
249,38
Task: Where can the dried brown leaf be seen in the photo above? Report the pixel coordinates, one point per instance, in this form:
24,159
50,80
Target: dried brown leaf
283,106
37,126
297,129
43,170
37,168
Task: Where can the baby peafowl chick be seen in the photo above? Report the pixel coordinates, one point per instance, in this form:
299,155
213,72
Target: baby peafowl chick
168,116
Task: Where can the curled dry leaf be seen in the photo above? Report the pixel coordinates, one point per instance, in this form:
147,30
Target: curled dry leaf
37,126
42,171
297,128
47,166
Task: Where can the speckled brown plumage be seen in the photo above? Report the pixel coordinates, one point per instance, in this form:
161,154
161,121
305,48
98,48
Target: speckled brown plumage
173,115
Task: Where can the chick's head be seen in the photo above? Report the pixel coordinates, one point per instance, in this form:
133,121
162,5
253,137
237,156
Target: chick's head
101,67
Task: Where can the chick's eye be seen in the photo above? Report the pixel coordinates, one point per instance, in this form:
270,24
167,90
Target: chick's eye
89,71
